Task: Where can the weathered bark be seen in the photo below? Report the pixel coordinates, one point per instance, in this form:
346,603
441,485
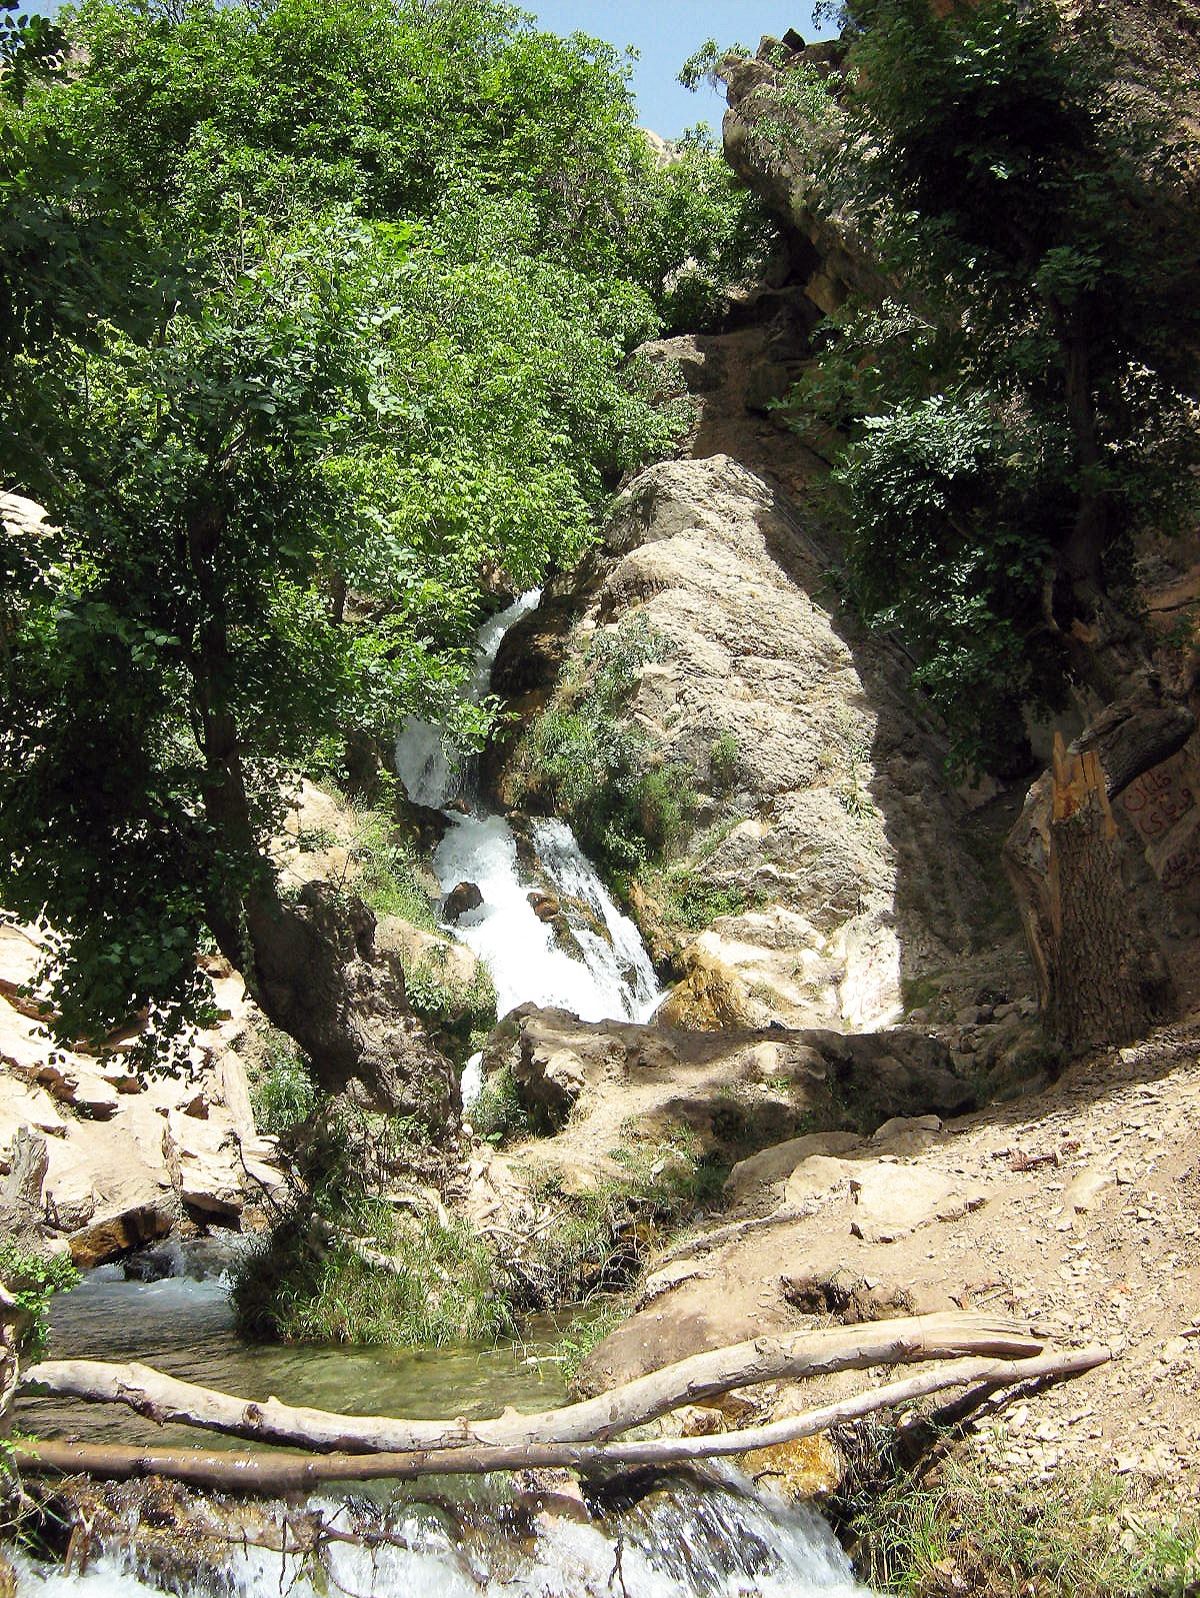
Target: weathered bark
272,1473
22,1208
1101,976
13,1321
1082,552
905,1340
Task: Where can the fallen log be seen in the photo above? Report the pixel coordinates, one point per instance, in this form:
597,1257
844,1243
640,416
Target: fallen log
902,1341
276,1473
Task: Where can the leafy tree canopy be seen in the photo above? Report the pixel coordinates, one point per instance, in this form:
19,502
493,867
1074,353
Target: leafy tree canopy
323,312
1027,401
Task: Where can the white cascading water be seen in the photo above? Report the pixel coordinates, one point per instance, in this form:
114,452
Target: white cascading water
613,979
689,1544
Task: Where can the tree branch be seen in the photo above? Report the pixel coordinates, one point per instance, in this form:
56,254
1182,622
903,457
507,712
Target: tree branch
274,1473
905,1340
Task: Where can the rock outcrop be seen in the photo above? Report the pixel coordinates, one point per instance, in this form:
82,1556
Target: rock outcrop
127,1154
728,1090
823,808
1073,1211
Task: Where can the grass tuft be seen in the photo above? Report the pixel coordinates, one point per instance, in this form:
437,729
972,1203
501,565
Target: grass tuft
974,1534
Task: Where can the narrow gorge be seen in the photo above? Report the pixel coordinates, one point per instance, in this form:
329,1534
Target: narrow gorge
599,797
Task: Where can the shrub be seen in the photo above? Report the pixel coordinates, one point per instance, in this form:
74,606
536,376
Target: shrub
723,762
498,1114
387,877
461,1013
439,1286
284,1095
33,1279
602,1237
345,1266
585,762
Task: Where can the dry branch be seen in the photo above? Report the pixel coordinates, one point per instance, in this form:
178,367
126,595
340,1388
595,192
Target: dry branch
902,1341
274,1473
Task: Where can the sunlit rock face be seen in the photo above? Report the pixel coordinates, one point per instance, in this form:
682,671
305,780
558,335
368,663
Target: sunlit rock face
823,821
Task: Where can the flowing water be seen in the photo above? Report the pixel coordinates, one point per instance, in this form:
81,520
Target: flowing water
686,1543
448,1539
686,1539
183,1324
610,977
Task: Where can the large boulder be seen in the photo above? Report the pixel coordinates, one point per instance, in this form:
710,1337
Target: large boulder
822,848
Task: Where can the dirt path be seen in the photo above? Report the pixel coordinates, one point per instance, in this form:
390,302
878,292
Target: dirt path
1077,1210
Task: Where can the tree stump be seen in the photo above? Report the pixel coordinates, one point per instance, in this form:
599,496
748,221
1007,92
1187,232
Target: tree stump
22,1208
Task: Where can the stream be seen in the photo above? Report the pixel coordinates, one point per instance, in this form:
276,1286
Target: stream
611,977
710,1537
460,1538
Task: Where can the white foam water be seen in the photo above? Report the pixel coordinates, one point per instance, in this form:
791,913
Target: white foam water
611,978
682,1544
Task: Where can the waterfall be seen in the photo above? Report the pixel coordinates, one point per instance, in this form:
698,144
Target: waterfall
602,971
717,1542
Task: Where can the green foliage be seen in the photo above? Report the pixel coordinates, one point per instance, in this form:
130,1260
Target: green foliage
438,1287
690,900
283,1094
33,1279
723,762
498,1115
601,1238
461,1014
693,233
1024,405
346,1265
586,1331
1076,1533
386,872
306,301
584,761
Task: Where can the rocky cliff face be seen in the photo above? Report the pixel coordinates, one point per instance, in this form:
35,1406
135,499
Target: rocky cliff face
823,811
105,1158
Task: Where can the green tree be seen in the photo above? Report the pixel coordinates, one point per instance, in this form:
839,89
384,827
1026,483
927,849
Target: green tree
358,334
1028,404
176,650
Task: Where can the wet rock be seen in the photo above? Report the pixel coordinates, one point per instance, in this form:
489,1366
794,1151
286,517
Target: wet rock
711,997
808,1468
546,906
150,1265
117,1235
461,900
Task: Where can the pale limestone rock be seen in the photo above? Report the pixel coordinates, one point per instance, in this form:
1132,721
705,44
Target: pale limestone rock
845,847
891,1200
815,1177
1083,1192
901,1124
764,1173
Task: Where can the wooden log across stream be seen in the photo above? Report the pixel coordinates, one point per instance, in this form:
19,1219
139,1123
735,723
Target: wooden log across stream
984,1353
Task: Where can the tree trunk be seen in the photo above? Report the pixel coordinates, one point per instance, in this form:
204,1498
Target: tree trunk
13,1323
312,966
271,1473
22,1207
1101,977
1082,554
834,1348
